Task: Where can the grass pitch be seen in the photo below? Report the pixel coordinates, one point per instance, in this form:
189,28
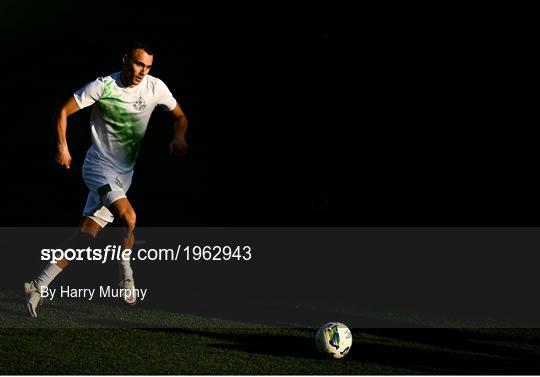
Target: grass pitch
60,342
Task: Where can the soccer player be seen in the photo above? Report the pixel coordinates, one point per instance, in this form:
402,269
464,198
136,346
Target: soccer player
122,105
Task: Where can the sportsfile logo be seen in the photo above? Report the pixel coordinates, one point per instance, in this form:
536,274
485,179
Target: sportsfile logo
110,252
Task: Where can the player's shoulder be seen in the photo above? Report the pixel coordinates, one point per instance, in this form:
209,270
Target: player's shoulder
154,84
107,79
154,81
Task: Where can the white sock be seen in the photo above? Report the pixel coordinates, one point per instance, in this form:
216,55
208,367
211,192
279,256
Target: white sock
125,269
47,275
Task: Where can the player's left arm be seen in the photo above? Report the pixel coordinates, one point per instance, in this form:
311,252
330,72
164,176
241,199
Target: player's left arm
179,146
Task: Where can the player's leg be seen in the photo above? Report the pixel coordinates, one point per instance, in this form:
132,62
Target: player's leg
111,187
88,231
82,239
124,212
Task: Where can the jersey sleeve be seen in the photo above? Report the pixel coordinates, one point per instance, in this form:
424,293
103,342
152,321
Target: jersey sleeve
164,96
89,94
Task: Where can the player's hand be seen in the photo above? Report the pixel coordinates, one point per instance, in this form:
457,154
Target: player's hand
178,147
63,158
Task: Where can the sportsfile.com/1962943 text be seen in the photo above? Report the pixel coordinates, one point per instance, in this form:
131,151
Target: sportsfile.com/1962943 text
207,253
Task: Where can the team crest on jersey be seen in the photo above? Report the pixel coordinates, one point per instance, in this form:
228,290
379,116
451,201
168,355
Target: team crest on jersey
140,104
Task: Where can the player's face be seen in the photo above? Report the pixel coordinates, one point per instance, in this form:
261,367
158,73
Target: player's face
137,66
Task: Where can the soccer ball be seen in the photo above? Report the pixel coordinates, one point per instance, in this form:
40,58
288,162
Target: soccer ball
334,339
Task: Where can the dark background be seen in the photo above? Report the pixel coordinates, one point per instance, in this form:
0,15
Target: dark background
301,114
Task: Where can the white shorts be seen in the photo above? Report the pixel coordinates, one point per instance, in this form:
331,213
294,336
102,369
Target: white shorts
106,186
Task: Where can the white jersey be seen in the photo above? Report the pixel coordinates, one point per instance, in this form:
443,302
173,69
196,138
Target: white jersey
120,117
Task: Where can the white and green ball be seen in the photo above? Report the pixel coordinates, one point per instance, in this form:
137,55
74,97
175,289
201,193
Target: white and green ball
334,339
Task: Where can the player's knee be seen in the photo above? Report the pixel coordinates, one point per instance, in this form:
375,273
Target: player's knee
129,219
90,227
62,263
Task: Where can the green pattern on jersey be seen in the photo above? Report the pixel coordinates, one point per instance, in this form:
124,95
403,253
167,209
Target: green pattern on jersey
128,130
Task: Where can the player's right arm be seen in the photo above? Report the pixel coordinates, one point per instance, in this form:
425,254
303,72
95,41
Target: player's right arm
63,157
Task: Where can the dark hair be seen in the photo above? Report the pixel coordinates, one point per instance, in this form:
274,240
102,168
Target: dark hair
144,45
